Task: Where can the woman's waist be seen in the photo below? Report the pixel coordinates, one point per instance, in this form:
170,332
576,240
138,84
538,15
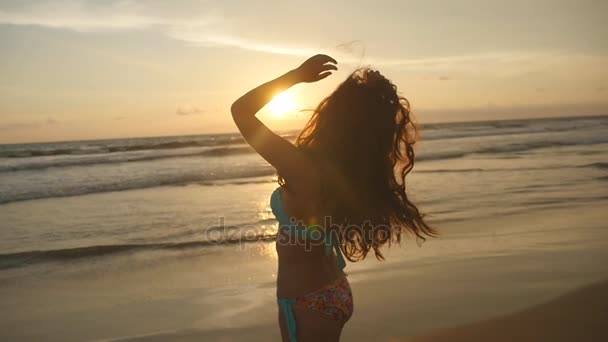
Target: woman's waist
297,280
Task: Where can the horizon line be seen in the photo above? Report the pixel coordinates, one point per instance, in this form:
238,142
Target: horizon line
540,118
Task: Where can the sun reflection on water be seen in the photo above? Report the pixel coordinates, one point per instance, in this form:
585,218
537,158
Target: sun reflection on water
265,249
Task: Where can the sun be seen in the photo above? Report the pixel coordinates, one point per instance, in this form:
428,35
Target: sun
282,104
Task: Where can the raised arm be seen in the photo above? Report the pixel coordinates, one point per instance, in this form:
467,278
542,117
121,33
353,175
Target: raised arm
299,172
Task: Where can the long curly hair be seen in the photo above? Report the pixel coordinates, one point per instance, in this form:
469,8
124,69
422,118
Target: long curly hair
362,136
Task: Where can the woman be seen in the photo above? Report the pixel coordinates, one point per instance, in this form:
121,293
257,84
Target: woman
342,190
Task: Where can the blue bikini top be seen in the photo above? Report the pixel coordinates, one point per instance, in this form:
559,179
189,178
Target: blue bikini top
313,232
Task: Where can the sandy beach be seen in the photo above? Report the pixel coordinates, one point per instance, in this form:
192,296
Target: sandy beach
523,241
577,316
416,292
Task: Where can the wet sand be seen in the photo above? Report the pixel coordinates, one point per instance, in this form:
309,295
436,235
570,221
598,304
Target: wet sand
511,279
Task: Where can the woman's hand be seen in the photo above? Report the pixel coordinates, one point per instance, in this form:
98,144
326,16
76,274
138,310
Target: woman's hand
315,69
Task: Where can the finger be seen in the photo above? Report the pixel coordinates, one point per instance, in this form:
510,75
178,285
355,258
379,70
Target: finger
327,67
325,59
318,58
329,59
323,75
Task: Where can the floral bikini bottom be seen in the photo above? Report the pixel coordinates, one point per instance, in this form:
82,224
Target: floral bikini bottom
335,301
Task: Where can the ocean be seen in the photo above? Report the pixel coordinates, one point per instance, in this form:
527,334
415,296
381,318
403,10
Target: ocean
90,209
499,165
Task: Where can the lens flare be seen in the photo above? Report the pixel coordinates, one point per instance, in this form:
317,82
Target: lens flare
282,104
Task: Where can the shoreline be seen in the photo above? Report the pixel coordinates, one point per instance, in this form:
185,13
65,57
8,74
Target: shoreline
470,274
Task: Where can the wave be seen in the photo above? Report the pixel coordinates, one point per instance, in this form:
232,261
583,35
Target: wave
545,167
449,170
441,155
213,152
20,259
511,148
118,145
164,146
36,164
44,156
430,132
248,175
244,181
446,131
598,165
243,177
534,145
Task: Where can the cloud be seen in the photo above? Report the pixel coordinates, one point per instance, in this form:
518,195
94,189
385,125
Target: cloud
93,15
189,111
194,22
209,38
204,26
204,23
72,15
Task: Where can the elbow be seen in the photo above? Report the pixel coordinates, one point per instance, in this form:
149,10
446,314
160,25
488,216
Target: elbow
235,109
237,115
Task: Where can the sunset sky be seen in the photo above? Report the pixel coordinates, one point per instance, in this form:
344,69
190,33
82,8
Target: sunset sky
105,69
